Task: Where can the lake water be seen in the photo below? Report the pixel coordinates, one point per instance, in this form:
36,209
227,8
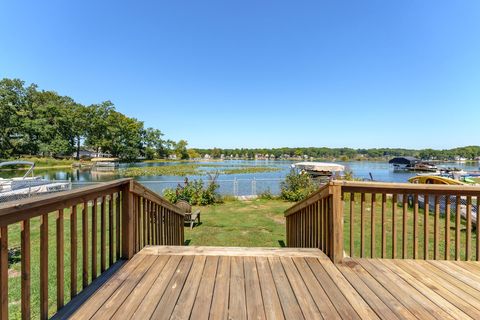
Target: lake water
238,184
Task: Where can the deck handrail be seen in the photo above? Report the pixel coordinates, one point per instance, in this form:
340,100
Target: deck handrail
388,220
117,219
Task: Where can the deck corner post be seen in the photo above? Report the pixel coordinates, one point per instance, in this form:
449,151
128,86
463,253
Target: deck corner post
336,223
127,221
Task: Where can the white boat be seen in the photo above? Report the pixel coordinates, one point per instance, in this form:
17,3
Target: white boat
28,185
319,169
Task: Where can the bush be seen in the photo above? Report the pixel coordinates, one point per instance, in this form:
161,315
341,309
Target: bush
266,195
195,192
297,186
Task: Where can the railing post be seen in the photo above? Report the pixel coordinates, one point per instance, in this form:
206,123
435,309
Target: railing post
336,223
127,221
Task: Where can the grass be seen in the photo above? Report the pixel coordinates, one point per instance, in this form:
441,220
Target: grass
45,162
255,223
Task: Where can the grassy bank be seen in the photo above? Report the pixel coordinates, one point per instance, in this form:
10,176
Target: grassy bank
44,163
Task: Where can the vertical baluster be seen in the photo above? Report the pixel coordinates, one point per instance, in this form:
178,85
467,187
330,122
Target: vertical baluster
44,266
328,213
110,230
149,222
318,209
135,223
436,227
394,226
415,226
161,223
314,225
297,231
94,239
352,209
167,226
4,272
118,226
154,224
144,223
477,229
146,216
310,226
404,226
447,226
302,229
26,269
85,245
384,222
325,223
372,227
60,260
469,228
103,235
139,224
317,233
362,225
73,251
426,231
457,227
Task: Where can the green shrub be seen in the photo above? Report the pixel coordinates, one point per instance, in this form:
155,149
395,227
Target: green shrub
267,195
195,192
297,186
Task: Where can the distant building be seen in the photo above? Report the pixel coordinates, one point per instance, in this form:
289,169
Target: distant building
84,153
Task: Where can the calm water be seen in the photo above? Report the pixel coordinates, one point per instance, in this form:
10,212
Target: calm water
240,184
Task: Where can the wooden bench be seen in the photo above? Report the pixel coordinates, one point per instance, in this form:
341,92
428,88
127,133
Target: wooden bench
190,217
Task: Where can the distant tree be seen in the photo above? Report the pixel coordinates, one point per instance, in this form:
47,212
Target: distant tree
193,154
216,153
180,149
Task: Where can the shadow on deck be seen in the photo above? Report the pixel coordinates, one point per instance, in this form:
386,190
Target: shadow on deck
164,282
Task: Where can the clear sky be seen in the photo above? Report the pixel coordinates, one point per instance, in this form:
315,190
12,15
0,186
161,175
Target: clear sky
253,73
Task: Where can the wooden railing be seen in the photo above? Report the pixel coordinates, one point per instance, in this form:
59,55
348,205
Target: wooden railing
104,224
388,220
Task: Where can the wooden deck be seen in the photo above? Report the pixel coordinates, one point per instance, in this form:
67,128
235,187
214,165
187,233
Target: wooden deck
260,283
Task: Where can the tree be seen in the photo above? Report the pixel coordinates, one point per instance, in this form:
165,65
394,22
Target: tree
193,154
153,143
180,149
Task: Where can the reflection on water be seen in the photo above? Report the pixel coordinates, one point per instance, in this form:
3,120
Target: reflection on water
240,184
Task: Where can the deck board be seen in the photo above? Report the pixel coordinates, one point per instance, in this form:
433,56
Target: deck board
265,283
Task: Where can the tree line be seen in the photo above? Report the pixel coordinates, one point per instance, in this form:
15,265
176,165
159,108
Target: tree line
469,152
44,123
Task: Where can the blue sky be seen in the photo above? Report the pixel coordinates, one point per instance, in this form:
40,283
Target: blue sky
261,73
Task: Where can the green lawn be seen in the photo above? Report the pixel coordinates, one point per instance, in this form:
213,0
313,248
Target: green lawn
257,223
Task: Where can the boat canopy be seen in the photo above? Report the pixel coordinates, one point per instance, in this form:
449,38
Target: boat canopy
319,166
404,160
20,163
